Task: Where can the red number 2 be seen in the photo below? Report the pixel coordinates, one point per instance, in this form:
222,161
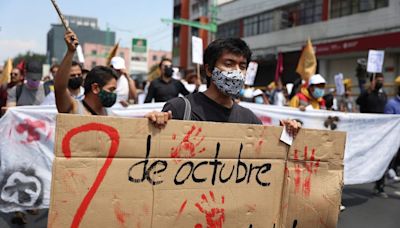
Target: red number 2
66,149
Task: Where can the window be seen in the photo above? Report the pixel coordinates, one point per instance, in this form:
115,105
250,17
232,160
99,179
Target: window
250,26
154,58
341,8
366,5
266,22
94,64
310,11
231,29
94,52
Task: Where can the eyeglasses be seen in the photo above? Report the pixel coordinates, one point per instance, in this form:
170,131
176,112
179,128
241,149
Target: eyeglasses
13,74
75,75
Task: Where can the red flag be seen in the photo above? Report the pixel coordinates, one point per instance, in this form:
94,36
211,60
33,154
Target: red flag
21,66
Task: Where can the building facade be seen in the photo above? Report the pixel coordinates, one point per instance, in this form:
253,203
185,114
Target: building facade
97,54
341,31
154,57
85,28
197,11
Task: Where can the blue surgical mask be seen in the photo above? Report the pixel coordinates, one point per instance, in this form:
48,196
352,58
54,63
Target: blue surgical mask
318,93
259,100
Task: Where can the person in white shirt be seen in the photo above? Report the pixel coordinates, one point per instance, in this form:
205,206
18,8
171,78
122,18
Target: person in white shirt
126,89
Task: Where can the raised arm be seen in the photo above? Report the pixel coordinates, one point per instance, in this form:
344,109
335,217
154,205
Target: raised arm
64,101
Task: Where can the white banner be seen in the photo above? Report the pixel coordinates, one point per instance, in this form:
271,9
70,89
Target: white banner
26,148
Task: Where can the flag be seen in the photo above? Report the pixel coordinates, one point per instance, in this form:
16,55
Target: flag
112,53
279,67
307,65
21,66
5,77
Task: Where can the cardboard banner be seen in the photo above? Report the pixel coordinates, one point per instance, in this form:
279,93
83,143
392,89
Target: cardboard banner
28,144
119,172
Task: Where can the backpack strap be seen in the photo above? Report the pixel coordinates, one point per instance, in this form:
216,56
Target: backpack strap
188,109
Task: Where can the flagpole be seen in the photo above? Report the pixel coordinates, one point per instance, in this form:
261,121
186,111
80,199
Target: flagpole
64,22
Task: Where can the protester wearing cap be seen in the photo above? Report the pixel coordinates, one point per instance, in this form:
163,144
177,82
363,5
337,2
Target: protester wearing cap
32,91
100,84
310,95
126,89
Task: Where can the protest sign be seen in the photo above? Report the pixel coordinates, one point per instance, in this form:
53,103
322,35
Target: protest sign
124,172
340,90
197,50
371,143
375,61
251,73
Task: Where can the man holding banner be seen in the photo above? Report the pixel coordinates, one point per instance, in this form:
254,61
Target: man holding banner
225,62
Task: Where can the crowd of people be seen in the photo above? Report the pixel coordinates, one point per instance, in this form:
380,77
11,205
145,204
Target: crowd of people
75,90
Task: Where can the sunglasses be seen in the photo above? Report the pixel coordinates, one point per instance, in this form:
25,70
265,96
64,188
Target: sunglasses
14,74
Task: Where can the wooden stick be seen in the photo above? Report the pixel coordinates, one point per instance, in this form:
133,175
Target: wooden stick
64,22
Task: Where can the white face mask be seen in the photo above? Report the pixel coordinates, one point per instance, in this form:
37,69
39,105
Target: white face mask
228,82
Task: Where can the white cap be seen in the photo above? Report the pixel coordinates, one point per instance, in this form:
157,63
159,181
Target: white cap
118,63
316,79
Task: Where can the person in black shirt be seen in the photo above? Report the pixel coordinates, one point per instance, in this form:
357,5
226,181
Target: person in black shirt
165,87
373,100
225,62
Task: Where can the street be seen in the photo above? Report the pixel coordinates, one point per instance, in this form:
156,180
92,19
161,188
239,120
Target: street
363,210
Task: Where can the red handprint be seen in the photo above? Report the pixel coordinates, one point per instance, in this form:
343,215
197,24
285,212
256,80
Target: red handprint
31,126
215,216
188,145
311,165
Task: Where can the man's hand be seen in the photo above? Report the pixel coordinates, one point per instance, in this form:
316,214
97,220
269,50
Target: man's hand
159,119
124,104
292,127
71,40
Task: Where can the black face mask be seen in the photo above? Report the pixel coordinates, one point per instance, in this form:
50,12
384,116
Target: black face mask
75,83
378,85
168,71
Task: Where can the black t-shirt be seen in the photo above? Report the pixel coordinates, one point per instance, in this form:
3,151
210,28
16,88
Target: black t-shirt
373,102
205,109
163,91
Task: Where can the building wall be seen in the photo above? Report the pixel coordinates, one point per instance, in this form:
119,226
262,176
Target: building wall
56,44
154,57
380,20
287,39
96,55
241,8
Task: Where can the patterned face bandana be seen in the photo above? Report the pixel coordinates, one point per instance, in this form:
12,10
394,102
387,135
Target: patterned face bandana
228,82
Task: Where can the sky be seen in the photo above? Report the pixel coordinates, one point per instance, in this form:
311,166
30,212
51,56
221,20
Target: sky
24,23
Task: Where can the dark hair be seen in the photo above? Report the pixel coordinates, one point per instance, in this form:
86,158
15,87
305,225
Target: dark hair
100,75
164,60
328,100
377,75
75,63
216,48
54,66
